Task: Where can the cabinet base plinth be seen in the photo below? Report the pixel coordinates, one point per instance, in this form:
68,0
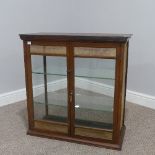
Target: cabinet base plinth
108,145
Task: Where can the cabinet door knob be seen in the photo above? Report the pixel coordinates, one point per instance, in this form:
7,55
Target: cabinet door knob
69,71
71,97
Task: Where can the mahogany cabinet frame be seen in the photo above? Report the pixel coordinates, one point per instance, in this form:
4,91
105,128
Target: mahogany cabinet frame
120,76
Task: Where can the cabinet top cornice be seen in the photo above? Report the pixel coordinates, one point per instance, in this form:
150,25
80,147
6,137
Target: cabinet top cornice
95,37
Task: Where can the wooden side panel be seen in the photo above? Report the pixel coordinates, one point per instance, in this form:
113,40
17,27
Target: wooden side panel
93,133
125,55
95,52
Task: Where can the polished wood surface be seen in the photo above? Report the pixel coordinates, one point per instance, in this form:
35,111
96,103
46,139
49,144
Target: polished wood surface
95,37
81,140
94,133
28,80
55,127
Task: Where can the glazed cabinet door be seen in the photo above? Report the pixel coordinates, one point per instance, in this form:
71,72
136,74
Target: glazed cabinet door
49,87
94,87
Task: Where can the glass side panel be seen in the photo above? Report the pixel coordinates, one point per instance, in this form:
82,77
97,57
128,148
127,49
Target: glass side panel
94,92
49,90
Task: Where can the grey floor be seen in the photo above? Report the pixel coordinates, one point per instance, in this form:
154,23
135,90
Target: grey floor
139,138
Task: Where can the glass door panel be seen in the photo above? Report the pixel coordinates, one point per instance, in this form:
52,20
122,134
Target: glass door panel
49,80
94,96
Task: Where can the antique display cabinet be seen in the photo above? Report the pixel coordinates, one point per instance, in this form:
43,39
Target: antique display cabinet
76,86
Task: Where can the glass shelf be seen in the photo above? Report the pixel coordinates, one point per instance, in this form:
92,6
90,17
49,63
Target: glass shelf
82,73
87,68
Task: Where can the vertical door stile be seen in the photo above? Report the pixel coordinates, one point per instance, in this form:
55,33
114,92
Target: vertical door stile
70,86
72,93
28,77
45,84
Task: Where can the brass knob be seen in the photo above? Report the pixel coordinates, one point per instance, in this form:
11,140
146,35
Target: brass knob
71,97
